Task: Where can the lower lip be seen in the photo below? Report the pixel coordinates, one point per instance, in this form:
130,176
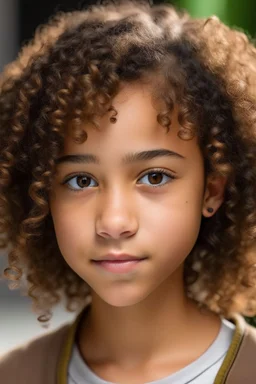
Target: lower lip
118,266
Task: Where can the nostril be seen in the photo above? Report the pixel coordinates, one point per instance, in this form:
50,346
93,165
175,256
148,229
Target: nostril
116,227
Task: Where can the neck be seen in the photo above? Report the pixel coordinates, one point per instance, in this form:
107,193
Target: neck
161,325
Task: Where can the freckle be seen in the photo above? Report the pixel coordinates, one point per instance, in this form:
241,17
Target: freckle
186,202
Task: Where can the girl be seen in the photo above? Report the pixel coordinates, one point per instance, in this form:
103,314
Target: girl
128,188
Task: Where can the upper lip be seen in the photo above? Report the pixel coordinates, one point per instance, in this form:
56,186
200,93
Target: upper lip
118,257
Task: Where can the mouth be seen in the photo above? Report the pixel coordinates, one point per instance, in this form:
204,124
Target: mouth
118,263
119,257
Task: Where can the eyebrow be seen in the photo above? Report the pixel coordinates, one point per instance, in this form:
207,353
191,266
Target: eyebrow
127,159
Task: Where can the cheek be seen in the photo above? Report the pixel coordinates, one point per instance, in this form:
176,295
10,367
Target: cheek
72,230
177,228
173,224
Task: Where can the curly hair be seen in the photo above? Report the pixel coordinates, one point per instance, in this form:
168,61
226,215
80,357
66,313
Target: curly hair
69,74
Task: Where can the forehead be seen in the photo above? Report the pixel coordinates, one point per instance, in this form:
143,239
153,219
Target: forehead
136,127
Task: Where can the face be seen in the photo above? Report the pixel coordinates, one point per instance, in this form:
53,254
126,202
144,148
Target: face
131,188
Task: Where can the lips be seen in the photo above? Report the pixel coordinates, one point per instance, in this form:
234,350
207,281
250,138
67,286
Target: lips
118,257
120,264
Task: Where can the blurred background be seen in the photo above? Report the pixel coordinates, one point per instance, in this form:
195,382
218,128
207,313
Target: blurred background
18,20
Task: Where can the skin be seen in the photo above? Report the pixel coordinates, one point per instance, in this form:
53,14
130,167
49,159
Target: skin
141,326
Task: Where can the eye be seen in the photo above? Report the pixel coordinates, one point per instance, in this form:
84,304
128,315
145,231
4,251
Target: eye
80,182
156,178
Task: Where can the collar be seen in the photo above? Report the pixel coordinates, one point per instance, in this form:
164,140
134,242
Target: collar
223,372
66,351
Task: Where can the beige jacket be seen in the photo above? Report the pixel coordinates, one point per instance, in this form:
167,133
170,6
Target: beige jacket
45,360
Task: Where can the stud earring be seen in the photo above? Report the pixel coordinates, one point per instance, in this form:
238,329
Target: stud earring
210,210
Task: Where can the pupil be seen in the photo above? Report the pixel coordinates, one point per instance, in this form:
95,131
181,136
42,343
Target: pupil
83,181
155,178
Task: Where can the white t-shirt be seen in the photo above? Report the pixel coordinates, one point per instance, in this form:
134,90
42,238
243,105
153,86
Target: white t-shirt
202,371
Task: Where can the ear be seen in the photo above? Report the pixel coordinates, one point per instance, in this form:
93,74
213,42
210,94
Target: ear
213,195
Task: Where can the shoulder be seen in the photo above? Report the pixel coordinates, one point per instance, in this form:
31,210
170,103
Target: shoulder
248,340
244,368
248,343
239,364
30,360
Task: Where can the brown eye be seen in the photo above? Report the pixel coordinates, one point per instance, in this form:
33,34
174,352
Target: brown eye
80,182
83,181
155,178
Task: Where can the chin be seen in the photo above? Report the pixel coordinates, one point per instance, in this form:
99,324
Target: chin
121,303
123,299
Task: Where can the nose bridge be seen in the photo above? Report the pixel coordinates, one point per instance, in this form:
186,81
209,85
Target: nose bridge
116,213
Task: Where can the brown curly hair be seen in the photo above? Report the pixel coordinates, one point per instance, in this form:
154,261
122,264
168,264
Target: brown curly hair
69,74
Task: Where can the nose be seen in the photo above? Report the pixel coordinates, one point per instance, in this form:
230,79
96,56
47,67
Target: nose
117,217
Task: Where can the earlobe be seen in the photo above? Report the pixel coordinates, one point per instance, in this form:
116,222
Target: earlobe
214,194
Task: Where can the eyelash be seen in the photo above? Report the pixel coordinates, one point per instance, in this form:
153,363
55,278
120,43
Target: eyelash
150,172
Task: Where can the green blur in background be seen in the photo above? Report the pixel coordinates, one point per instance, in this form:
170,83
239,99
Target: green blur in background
240,14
